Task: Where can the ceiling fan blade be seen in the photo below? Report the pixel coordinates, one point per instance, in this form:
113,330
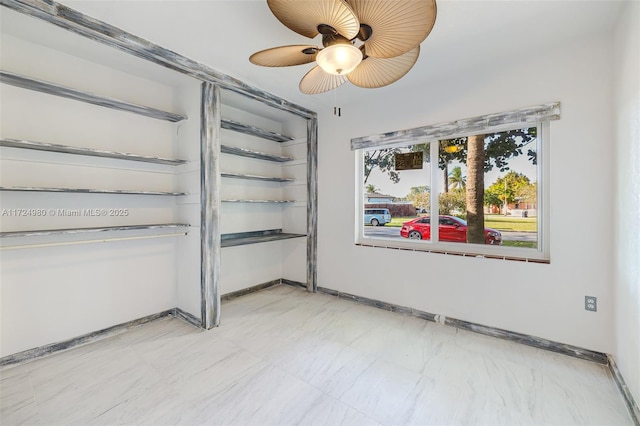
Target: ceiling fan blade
317,81
304,17
285,56
377,72
397,26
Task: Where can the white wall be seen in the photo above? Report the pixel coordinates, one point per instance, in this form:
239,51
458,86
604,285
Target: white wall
627,202
536,299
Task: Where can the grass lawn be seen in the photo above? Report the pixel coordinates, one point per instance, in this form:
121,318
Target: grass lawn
508,223
398,221
501,223
527,244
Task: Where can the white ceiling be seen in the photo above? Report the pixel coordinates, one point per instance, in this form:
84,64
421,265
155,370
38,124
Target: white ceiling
224,33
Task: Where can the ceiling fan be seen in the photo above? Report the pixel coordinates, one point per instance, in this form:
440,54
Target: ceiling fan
371,43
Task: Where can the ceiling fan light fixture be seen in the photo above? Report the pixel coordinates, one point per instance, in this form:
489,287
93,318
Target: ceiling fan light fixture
339,59
452,149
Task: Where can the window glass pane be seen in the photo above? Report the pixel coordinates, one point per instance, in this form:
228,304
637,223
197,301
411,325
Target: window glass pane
488,191
397,187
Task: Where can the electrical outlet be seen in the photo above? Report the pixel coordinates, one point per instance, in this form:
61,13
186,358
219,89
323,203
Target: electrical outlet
591,303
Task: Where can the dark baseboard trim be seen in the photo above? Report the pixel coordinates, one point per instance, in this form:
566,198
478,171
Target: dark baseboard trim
43,351
245,291
634,410
293,283
524,339
187,317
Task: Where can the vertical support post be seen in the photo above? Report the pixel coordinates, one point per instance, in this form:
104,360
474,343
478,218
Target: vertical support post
312,204
210,205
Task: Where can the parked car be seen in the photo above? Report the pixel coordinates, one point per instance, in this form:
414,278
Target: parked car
450,228
377,217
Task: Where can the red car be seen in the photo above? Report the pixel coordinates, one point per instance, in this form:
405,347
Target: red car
450,229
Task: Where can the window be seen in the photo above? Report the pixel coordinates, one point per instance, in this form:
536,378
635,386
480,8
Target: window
486,184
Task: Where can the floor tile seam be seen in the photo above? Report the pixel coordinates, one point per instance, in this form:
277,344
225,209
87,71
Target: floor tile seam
33,392
31,371
323,392
231,342
377,420
120,399
24,403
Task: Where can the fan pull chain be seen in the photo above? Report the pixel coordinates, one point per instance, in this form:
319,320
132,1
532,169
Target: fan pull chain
336,109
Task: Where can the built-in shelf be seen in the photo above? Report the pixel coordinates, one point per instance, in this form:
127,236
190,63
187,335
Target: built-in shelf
86,191
254,131
50,147
260,201
70,231
254,177
256,237
242,152
67,92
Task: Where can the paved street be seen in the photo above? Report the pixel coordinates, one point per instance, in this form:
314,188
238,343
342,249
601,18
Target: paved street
393,232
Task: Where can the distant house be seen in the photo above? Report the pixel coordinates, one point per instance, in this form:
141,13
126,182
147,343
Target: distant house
396,208
375,198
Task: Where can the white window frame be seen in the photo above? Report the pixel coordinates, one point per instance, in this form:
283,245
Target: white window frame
539,116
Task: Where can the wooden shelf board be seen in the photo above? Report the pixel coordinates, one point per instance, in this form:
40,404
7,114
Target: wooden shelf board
243,152
86,190
254,177
260,201
254,131
70,231
64,149
256,237
67,92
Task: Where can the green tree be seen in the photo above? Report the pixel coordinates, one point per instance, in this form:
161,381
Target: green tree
452,202
492,197
383,159
370,188
420,197
455,179
528,194
418,190
422,201
509,188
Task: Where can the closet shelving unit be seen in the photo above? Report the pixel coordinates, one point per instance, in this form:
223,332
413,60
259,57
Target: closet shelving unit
255,219
261,236
49,88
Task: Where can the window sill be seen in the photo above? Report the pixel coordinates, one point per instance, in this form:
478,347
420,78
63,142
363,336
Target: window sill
441,250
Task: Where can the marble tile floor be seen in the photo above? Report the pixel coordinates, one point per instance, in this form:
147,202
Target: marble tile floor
283,357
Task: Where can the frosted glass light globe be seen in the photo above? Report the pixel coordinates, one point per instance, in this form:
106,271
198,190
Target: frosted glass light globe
339,59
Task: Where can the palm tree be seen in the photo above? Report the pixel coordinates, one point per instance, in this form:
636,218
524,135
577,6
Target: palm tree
456,180
371,188
475,189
